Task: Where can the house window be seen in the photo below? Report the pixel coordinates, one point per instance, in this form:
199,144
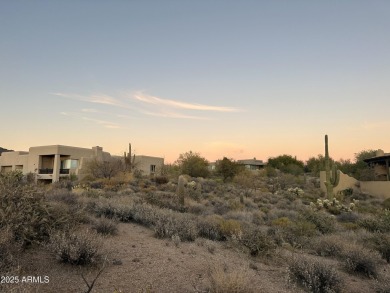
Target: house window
152,168
69,164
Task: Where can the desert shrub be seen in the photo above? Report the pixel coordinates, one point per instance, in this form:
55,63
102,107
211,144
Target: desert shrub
76,248
362,261
379,223
386,204
170,224
121,210
229,282
63,195
323,222
209,227
240,216
105,226
328,245
196,208
383,286
230,228
161,179
348,217
146,214
314,276
9,250
164,200
23,210
258,217
257,242
381,243
297,233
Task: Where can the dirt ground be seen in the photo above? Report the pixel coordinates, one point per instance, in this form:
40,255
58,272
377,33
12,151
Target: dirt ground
139,262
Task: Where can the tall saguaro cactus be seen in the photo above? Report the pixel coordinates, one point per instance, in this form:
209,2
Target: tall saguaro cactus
331,179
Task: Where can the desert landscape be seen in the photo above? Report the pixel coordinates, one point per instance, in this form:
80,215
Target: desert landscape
233,230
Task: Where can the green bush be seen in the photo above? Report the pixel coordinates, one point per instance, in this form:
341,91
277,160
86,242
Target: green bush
314,276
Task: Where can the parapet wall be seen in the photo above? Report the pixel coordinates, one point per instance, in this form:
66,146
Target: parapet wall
376,188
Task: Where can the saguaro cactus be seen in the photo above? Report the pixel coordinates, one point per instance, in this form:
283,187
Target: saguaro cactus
181,189
331,179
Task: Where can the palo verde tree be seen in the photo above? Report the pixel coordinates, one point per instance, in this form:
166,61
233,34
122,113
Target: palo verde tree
287,164
193,164
105,168
227,168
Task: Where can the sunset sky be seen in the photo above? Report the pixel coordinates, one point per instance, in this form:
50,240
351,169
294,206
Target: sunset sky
240,79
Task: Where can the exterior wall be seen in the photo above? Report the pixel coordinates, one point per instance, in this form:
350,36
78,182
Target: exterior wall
144,163
15,160
345,182
377,188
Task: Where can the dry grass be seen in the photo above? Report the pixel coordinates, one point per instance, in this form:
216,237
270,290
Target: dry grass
224,281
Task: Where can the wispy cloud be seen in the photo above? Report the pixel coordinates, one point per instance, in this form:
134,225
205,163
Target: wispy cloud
104,123
174,115
90,111
147,105
97,99
181,105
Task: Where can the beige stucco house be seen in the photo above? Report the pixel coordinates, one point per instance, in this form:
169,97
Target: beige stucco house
380,187
50,163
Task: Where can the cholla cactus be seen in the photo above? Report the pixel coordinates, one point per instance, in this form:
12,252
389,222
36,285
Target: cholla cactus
296,191
333,204
181,189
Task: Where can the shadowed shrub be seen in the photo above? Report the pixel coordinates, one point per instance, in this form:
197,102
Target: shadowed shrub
105,226
381,243
362,261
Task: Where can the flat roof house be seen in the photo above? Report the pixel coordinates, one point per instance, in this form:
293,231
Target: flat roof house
252,164
50,163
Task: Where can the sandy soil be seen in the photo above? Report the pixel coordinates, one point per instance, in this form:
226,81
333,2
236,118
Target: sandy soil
138,262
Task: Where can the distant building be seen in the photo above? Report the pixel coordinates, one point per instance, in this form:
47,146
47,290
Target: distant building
252,164
51,163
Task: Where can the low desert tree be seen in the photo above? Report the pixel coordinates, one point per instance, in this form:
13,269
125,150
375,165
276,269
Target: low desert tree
227,168
287,164
193,164
105,169
358,169
316,164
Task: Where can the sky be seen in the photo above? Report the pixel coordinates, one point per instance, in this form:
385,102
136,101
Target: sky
240,79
